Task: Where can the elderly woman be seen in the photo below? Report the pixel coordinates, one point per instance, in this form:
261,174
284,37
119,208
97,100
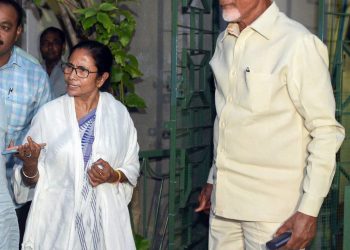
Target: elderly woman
9,235
80,162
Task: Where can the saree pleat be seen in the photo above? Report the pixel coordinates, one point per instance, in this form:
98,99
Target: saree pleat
88,218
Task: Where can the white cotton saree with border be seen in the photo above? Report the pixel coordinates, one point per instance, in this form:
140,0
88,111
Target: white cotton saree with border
57,195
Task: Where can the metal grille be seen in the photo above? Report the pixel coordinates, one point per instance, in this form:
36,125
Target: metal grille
191,120
334,219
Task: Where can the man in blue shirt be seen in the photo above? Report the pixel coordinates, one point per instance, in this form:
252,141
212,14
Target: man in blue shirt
8,219
24,85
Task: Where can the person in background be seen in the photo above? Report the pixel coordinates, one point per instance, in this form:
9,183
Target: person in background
52,46
24,86
9,234
275,134
83,180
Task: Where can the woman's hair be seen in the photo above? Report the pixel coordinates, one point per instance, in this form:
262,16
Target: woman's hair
102,56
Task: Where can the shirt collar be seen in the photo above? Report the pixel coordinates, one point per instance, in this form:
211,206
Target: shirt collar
263,24
231,29
57,65
13,59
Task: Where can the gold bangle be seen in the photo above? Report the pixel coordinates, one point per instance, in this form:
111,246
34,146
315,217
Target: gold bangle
119,175
30,177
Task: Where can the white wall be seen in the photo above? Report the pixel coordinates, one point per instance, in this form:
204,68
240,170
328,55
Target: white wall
33,27
304,11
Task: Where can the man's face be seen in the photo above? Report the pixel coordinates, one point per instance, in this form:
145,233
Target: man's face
51,47
236,10
9,31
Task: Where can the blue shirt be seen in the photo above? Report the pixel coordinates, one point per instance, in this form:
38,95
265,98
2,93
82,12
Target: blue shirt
24,87
8,219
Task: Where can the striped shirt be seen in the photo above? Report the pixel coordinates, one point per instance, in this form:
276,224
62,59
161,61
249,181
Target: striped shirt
24,87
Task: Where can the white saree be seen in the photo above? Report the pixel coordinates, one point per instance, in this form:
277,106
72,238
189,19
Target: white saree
57,195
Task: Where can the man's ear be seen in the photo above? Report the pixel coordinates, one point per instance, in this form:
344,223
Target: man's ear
18,32
63,48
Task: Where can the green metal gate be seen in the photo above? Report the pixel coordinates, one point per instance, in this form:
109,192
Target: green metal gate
334,218
191,119
169,195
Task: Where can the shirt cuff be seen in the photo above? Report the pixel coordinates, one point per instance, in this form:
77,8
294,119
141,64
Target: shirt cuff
310,205
22,193
210,179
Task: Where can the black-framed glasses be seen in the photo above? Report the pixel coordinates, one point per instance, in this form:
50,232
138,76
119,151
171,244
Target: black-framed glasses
80,71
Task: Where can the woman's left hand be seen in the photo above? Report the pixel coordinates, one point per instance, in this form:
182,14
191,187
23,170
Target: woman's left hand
101,172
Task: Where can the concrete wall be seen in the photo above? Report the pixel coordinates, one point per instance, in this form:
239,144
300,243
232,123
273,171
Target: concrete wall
152,46
304,11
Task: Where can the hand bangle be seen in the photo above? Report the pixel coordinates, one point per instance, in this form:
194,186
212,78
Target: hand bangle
30,177
119,175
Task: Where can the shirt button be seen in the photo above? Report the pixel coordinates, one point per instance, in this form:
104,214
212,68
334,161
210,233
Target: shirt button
222,124
229,99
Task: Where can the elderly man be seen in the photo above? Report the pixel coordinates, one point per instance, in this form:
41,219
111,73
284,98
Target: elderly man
24,85
275,135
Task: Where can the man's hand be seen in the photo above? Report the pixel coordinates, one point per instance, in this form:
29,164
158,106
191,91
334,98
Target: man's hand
204,198
303,228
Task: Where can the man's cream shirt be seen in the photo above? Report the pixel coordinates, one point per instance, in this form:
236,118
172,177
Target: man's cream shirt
275,135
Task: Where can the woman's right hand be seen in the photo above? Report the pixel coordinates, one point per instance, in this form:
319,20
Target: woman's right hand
29,152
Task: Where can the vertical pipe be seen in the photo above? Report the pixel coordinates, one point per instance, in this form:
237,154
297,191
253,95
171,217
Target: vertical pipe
346,232
215,23
157,212
201,27
172,124
321,14
144,197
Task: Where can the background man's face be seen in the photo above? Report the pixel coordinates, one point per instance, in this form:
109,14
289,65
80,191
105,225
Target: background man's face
236,10
51,47
9,31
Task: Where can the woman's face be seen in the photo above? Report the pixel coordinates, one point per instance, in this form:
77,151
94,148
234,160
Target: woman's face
78,86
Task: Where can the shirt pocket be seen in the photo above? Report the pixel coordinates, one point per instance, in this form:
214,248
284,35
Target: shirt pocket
21,105
257,91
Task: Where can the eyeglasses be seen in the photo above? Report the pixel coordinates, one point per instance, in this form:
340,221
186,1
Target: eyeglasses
80,71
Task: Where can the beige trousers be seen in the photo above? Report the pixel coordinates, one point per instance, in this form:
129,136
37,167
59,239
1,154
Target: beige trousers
228,234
